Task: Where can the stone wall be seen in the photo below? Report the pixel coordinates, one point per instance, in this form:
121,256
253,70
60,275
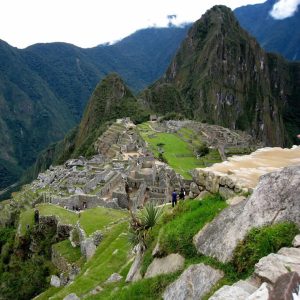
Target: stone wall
216,183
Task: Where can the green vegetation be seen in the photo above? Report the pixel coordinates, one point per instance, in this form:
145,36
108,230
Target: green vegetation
23,273
98,218
150,289
65,216
66,250
178,149
141,225
259,242
26,221
110,257
185,221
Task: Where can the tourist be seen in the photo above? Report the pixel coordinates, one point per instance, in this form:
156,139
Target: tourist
174,198
182,194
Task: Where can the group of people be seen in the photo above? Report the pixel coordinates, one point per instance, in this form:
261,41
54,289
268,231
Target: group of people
175,196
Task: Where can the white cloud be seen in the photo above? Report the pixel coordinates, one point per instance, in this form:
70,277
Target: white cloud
87,23
284,9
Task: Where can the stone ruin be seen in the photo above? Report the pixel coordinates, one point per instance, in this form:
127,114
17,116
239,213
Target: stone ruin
122,161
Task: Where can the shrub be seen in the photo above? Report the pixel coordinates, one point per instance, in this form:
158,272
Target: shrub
202,149
260,242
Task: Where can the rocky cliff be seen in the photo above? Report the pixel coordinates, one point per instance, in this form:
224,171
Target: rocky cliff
222,76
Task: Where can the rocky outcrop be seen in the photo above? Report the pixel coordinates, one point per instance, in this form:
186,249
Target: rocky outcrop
276,199
72,296
269,268
134,273
165,265
285,286
115,277
296,241
276,276
55,281
193,283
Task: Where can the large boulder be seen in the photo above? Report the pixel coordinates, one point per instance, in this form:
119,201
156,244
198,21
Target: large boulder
276,199
270,267
165,265
193,283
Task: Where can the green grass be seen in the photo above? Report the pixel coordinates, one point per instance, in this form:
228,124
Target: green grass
97,218
111,255
259,242
66,250
146,289
26,219
65,216
189,217
178,149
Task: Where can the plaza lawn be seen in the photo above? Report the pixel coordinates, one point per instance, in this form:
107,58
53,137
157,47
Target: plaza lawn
178,149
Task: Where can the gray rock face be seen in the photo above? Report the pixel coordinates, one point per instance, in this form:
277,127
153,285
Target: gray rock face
72,296
285,285
55,281
262,293
134,273
165,265
193,283
226,193
194,188
88,248
115,277
227,292
296,241
235,200
270,267
276,199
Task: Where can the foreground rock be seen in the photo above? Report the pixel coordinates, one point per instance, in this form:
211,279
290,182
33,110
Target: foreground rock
276,199
193,283
272,273
165,265
285,285
269,268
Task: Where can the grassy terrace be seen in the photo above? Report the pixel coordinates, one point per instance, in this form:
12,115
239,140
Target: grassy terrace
178,149
97,218
66,250
26,219
111,256
65,216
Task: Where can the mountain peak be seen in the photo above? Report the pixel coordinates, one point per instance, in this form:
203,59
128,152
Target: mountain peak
222,76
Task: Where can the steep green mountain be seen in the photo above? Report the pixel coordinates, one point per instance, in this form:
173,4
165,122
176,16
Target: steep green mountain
281,36
110,100
221,75
31,116
44,88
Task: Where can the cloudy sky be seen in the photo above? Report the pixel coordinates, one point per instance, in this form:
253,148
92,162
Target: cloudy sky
87,23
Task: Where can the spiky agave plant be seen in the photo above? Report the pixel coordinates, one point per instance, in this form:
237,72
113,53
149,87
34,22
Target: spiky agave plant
141,225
